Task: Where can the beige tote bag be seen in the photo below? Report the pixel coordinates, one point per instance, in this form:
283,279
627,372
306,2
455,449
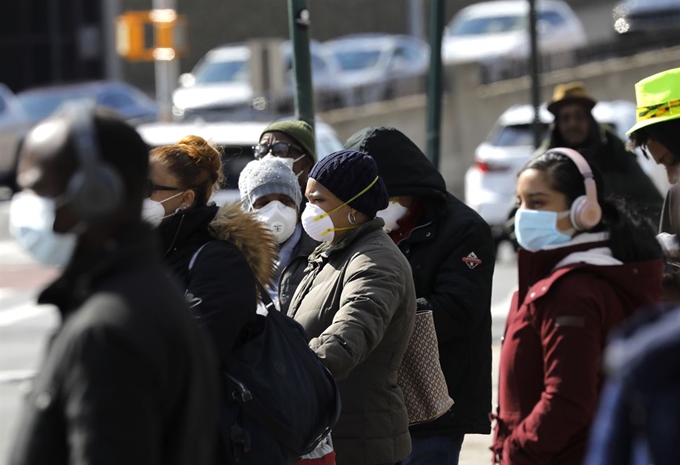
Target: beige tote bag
421,377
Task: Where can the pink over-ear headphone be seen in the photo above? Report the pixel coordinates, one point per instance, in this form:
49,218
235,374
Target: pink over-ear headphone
586,212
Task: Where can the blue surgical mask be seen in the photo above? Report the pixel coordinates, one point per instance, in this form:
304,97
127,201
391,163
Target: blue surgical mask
536,230
31,219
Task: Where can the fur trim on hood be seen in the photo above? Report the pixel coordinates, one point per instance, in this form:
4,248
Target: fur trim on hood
250,236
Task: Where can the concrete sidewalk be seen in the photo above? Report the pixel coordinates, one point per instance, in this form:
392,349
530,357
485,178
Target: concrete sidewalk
476,446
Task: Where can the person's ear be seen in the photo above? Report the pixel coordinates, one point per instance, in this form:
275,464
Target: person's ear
188,199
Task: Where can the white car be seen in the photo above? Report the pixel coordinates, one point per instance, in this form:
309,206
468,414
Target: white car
235,141
490,184
491,30
221,79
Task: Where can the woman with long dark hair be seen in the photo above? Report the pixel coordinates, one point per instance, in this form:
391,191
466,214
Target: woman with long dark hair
585,265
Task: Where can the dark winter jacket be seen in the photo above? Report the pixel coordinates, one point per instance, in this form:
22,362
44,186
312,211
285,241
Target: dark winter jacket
220,287
451,252
292,274
621,173
127,377
569,299
357,305
638,420
669,212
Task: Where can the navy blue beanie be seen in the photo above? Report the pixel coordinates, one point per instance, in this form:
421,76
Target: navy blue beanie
346,173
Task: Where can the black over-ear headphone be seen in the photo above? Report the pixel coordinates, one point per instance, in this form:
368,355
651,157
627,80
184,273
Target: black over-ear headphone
95,190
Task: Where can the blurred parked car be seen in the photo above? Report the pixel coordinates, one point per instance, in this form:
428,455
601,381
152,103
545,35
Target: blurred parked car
235,140
221,79
646,17
377,66
14,124
492,30
490,184
128,101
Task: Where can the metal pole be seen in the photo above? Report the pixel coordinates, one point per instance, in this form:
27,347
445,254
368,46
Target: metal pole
434,81
416,21
298,22
535,75
112,64
167,73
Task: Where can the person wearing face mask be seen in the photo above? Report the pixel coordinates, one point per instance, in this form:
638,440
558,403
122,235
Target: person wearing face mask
357,306
215,254
127,376
586,264
270,189
451,252
293,141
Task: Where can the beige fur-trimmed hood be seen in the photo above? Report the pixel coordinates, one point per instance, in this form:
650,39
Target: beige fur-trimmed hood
250,236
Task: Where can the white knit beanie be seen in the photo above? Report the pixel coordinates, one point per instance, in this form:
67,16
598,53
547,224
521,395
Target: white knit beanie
270,175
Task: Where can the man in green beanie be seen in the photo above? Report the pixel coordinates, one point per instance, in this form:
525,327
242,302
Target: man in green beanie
292,140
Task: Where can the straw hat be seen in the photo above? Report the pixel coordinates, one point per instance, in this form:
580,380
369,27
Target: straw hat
573,92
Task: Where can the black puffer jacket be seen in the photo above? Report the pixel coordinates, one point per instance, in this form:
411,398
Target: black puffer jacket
451,252
220,287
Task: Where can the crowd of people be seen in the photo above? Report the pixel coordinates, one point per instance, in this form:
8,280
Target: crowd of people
161,287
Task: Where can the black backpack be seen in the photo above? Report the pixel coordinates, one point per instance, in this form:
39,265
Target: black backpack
279,401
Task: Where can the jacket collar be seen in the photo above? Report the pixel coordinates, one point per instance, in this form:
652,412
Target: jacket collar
326,249
133,248
534,266
183,227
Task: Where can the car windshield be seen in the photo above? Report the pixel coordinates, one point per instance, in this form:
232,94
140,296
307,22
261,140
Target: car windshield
487,25
41,105
222,71
354,60
515,136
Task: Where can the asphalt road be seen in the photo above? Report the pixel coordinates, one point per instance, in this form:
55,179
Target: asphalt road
24,328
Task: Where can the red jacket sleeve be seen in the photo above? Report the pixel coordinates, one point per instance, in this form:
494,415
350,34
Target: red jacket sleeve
570,327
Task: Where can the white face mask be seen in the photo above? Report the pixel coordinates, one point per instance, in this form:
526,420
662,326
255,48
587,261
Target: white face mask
280,219
394,212
31,222
317,223
153,211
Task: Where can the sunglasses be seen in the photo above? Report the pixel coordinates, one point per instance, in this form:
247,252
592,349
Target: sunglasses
279,149
150,188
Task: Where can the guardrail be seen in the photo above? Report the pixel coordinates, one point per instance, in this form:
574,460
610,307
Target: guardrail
621,46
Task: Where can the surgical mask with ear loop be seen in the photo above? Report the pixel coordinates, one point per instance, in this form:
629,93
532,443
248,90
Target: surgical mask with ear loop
31,224
319,225
153,211
536,230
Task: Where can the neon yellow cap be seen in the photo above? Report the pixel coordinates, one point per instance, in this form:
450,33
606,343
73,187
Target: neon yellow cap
658,99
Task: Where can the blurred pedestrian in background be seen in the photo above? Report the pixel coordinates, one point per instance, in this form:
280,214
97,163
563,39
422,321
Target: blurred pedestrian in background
357,306
292,140
451,252
585,265
127,377
576,128
269,188
657,132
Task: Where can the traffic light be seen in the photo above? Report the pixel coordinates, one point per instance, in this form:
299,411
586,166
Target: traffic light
151,35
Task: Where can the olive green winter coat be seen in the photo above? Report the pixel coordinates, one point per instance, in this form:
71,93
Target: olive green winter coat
357,304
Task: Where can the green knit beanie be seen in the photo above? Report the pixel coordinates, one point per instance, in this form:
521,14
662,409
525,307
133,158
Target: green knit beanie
300,131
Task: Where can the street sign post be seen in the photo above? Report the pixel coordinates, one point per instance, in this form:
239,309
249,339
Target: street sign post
299,21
